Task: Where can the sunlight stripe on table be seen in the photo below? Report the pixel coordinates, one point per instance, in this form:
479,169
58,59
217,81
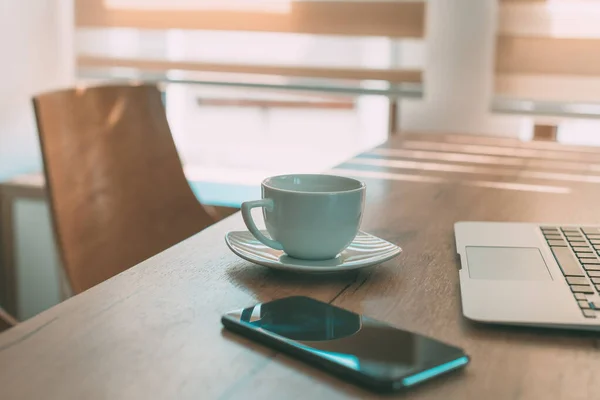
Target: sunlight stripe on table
484,159
388,175
507,143
431,166
501,151
426,166
560,176
524,187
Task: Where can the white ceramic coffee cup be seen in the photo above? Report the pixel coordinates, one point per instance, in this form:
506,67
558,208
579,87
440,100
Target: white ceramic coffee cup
310,217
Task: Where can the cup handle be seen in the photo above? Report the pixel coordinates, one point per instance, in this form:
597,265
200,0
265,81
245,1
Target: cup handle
247,215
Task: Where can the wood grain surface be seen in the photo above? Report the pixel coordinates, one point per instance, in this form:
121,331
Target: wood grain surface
117,190
154,331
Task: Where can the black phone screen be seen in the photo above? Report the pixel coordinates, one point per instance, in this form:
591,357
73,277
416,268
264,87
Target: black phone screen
376,352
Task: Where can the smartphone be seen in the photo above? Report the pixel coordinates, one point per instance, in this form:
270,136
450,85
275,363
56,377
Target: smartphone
357,348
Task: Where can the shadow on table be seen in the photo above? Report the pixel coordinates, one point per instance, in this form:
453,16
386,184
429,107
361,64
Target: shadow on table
532,334
293,366
268,284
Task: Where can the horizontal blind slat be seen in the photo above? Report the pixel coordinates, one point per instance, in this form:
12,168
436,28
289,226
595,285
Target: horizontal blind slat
549,87
376,18
529,55
391,75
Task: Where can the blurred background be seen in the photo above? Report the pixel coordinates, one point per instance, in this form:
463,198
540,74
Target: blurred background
254,88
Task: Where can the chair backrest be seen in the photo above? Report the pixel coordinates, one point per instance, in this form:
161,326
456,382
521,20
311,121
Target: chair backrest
6,321
116,185
548,51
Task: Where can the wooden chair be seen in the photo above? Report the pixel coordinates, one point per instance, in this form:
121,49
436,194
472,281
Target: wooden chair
6,321
117,190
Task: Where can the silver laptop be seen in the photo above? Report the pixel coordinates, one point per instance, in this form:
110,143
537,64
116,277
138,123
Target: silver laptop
530,274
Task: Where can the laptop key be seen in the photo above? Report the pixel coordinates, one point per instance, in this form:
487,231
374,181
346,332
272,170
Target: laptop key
593,274
595,241
581,246
595,280
589,313
580,251
549,228
590,261
580,296
591,267
582,289
591,231
573,235
577,280
585,258
557,243
553,237
583,304
567,261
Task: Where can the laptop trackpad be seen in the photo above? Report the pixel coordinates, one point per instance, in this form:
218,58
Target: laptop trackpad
507,263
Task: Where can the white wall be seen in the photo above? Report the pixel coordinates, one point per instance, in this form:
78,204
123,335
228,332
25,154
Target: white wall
36,43
37,55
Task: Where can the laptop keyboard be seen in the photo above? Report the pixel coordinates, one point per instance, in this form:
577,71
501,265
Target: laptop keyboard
577,252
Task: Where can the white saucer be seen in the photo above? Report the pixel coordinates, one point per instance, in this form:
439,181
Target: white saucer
366,250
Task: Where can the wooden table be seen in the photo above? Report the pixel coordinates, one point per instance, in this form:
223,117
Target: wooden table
153,332
16,284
